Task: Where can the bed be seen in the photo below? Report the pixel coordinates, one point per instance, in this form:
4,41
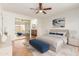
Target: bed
56,38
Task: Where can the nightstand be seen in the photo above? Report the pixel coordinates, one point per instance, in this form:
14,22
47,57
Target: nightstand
34,33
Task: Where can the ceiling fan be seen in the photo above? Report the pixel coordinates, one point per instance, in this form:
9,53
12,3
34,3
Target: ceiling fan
41,9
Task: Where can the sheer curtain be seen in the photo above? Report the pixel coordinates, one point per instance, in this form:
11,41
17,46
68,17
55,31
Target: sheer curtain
3,32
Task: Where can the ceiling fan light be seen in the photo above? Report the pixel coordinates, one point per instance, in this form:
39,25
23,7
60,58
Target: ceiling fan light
40,11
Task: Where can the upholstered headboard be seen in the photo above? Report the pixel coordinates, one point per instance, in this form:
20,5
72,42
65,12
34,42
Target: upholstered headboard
64,31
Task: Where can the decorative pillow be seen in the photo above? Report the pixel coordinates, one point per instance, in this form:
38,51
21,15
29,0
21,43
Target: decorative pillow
59,34
53,33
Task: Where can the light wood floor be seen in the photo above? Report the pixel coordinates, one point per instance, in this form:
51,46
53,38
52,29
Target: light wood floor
19,49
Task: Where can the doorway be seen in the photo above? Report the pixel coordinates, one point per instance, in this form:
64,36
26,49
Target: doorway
22,28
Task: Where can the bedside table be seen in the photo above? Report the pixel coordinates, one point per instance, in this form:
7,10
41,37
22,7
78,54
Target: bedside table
34,33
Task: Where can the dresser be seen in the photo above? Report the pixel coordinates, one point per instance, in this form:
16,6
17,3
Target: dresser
34,33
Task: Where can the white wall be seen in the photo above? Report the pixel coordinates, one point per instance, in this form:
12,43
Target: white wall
71,22
0,24
0,21
42,26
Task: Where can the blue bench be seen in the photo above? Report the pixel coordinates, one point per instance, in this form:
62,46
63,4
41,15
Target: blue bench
39,45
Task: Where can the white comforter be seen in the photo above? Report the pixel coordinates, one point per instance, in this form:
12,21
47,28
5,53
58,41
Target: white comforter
55,42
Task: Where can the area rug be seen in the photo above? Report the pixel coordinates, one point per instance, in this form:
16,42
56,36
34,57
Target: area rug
6,51
65,51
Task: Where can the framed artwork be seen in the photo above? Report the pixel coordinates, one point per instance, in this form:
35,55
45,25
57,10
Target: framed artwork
59,22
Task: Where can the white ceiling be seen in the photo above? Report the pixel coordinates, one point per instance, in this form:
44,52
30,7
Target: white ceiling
24,8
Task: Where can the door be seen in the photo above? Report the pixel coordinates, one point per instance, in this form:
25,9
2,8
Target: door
22,28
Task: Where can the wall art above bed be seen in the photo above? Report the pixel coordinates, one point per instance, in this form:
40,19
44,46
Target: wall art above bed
59,22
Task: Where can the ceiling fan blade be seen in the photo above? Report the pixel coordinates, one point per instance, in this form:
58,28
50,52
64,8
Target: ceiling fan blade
47,8
33,9
37,12
40,6
44,12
